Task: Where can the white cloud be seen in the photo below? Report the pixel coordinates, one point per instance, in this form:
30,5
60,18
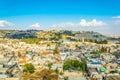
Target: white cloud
4,23
116,17
94,22
36,25
82,23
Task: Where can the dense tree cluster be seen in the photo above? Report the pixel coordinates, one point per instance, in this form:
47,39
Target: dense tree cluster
101,42
29,68
103,49
114,71
94,52
56,50
49,65
96,41
75,65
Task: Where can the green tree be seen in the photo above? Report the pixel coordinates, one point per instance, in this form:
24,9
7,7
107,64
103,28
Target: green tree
56,50
103,49
57,71
66,78
75,65
48,45
49,65
29,68
84,64
101,42
94,52
76,46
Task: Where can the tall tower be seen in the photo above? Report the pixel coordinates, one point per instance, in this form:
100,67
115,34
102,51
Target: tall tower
83,39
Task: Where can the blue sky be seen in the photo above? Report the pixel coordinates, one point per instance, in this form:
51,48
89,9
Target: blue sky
98,15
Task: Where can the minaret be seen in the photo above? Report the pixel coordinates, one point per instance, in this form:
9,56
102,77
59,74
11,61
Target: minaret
83,39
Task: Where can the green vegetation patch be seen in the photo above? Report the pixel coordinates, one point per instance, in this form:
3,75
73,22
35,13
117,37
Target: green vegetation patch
29,68
75,65
31,40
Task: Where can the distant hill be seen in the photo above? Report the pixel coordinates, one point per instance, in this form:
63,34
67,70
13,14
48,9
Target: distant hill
21,34
90,35
4,32
51,34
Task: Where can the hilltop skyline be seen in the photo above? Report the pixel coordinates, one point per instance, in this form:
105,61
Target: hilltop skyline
89,15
